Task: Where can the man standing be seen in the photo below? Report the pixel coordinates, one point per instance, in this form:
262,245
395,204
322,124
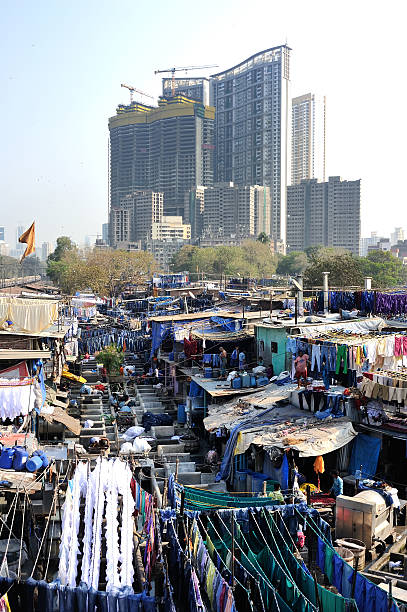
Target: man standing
242,361
223,362
234,358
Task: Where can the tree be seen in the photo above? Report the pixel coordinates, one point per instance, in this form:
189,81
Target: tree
295,262
344,269
110,271
112,358
106,272
64,244
262,237
258,255
182,260
386,270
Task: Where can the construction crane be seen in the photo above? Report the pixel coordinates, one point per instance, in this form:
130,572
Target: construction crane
182,68
132,90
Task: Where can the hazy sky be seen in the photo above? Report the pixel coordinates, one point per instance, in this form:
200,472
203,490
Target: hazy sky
62,64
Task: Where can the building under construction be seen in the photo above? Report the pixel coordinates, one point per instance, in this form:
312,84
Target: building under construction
167,149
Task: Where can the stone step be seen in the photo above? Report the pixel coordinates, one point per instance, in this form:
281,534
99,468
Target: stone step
183,466
163,449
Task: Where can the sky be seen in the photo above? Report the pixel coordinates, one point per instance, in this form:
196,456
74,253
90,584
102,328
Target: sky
62,63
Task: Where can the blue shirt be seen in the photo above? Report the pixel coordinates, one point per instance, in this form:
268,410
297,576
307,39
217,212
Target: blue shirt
337,487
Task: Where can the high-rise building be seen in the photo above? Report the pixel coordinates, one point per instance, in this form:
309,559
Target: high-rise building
46,250
396,236
227,211
2,233
308,138
133,219
168,149
193,210
195,88
105,233
253,126
324,214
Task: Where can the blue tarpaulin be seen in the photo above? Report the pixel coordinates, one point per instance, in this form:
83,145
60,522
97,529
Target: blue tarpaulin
227,324
365,453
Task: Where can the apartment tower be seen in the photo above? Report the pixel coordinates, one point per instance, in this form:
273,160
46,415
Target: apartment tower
308,138
324,214
252,126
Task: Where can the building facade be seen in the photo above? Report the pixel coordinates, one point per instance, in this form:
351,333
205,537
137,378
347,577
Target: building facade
252,126
46,250
2,233
232,212
308,138
132,220
195,88
168,149
324,214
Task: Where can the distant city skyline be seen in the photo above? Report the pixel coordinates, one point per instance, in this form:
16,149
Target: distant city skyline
54,165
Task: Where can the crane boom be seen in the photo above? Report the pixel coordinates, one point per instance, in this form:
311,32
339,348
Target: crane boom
182,68
133,89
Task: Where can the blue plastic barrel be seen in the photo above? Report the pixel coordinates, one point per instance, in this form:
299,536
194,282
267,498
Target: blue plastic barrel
207,372
43,456
20,458
182,415
34,463
6,458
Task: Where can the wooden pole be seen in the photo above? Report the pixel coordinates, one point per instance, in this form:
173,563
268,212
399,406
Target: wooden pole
176,469
233,550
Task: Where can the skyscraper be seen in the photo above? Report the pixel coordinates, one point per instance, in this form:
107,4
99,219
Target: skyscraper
324,214
2,233
195,88
252,126
168,149
308,137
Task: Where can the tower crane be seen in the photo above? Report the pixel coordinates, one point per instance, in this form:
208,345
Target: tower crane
182,68
132,90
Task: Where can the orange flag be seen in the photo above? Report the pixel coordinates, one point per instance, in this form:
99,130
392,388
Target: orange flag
29,238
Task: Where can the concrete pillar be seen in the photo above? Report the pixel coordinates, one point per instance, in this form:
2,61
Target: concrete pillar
300,293
326,291
368,283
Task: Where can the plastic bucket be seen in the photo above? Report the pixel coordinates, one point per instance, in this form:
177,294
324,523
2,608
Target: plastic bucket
6,458
34,463
20,458
181,415
359,553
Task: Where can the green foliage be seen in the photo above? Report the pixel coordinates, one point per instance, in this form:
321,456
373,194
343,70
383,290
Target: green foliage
112,358
54,271
386,270
344,269
251,258
106,272
295,262
262,237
